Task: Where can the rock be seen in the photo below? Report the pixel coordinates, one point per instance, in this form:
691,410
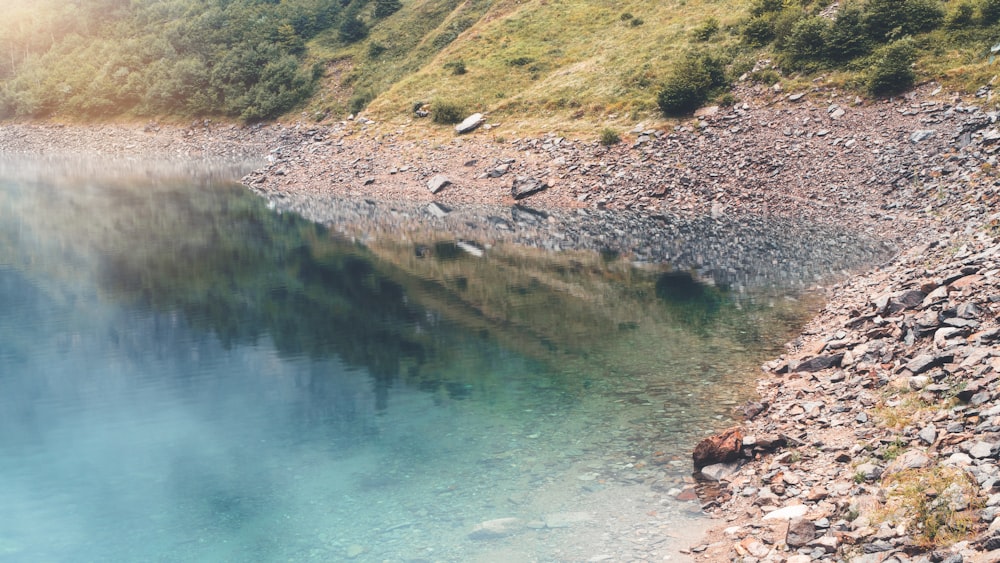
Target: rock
470,123
787,513
925,362
524,187
869,471
817,363
912,459
437,183
437,210
497,528
928,434
720,471
796,96
721,448
499,171
921,135
353,551
981,450
707,111
800,532
911,299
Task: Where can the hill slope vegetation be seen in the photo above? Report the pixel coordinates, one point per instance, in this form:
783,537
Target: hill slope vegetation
542,61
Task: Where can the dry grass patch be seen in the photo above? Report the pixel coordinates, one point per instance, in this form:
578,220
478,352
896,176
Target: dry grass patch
938,505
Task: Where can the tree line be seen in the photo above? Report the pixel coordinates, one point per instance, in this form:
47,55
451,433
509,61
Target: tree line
242,59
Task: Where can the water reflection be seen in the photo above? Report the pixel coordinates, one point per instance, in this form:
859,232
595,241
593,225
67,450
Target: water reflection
187,374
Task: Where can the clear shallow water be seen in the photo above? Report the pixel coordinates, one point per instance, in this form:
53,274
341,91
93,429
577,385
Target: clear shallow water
186,375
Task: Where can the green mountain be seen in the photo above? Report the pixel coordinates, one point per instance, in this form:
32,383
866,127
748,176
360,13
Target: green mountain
571,63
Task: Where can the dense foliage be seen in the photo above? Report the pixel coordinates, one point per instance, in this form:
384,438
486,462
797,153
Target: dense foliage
235,58
880,37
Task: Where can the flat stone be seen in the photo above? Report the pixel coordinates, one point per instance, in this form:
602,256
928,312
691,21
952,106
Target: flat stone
496,528
524,187
470,123
817,363
912,459
788,512
981,450
720,471
924,362
437,183
921,135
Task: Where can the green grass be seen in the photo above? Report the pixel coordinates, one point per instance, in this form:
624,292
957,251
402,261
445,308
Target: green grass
539,64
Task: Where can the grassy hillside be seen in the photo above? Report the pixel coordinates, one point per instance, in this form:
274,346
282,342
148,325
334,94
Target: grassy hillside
574,66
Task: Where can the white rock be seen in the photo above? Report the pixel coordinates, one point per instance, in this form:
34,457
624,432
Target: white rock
496,528
470,123
788,512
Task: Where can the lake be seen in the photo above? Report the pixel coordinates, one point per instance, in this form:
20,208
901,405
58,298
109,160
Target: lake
190,372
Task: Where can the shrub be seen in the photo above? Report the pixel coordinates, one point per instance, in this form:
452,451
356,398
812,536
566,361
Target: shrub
758,31
989,12
636,22
457,68
726,100
360,101
447,113
353,29
626,16
762,7
706,30
385,8
892,70
893,19
807,40
961,15
609,137
847,38
690,82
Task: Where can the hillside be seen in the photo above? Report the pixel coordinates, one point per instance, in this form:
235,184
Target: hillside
573,66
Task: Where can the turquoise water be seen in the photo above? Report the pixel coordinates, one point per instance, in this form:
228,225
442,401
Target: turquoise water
186,375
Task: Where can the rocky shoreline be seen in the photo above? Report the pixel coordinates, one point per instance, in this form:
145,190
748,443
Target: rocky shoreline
877,435
891,389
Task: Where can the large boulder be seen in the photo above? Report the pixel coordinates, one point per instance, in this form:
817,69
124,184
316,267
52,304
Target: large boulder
470,123
721,448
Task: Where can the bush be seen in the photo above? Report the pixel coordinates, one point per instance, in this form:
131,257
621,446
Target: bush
690,83
726,100
807,40
705,30
892,70
609,137
893,19
447,113
758,31
385,8
847,38
989,12
360,101
353,29
961,15
762,7
457,68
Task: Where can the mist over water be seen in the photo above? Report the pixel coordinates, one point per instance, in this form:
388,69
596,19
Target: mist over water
188,375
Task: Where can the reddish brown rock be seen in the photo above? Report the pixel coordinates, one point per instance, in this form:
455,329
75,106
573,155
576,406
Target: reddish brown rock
721,448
